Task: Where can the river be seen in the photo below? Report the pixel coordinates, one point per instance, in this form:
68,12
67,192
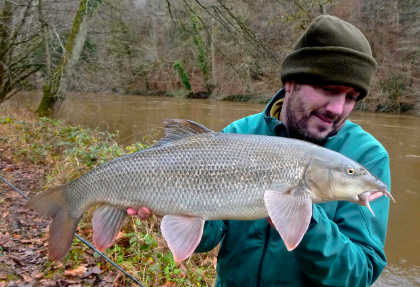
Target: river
139,119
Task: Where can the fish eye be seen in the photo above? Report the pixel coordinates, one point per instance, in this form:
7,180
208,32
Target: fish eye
350,171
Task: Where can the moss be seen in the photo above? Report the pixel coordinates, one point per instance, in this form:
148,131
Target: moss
47,102
185,80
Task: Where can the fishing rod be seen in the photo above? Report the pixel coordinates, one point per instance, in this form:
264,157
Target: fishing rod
84,241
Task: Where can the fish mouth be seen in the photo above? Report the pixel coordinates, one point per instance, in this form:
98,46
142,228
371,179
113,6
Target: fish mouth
368,196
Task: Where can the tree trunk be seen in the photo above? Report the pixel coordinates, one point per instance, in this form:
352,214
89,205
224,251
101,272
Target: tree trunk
4,46
213,54
56,84
15,55
45,38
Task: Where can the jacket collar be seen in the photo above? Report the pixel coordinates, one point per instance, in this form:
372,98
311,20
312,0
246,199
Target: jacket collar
274,106
272,114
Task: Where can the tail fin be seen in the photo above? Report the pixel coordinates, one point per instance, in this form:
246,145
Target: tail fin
53,203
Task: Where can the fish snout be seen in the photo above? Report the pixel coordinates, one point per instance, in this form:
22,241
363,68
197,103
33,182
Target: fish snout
368,196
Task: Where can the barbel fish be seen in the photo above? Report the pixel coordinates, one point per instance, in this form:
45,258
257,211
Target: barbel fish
194,174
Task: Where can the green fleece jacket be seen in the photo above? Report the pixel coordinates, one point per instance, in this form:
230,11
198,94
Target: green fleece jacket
344,245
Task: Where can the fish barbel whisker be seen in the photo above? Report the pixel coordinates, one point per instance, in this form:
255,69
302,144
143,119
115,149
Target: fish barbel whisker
368,196
194,174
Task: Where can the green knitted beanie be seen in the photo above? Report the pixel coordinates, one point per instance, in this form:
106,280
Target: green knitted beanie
331,51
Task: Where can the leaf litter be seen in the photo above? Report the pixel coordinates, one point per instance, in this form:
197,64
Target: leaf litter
24,240
32,159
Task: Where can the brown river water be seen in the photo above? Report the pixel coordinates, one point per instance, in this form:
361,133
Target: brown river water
139,119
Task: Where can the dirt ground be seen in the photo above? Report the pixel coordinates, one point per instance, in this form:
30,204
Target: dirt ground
23,238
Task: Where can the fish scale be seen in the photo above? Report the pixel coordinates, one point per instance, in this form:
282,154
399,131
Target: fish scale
239,173
195,174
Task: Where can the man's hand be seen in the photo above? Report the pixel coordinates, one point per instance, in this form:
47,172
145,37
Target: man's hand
143,212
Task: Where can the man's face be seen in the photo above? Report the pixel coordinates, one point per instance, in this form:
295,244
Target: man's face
314,113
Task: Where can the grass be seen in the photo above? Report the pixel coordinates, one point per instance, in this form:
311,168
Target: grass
69,151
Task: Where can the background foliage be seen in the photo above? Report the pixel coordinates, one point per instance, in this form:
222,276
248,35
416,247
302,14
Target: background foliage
226,47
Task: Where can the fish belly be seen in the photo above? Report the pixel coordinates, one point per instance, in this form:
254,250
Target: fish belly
218,176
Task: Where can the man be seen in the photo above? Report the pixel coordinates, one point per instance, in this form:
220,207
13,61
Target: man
328,71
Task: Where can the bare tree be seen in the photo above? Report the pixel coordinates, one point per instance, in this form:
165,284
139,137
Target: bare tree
409,48
57,81
17,45
229,47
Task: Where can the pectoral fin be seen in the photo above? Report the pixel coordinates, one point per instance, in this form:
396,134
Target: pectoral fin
183,234
290,210
107,222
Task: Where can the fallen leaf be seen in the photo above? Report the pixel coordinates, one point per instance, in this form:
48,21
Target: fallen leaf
25,285
27,278
90,271
37,274
17,259
76,272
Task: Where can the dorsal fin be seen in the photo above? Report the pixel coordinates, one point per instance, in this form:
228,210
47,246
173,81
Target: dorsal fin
176,129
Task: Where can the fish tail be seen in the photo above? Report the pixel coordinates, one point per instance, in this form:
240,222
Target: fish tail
52,203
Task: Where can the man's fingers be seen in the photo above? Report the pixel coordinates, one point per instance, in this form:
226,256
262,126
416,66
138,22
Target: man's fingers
143,212
131,211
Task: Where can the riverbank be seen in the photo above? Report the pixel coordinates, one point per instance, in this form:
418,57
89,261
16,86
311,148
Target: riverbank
377,103
39,153
385,100
244,98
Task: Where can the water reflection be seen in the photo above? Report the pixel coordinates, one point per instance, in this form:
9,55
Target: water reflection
139,118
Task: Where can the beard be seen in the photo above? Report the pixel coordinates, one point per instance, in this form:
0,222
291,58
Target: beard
298,128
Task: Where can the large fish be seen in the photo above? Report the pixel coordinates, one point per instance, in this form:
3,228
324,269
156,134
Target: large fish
195,174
